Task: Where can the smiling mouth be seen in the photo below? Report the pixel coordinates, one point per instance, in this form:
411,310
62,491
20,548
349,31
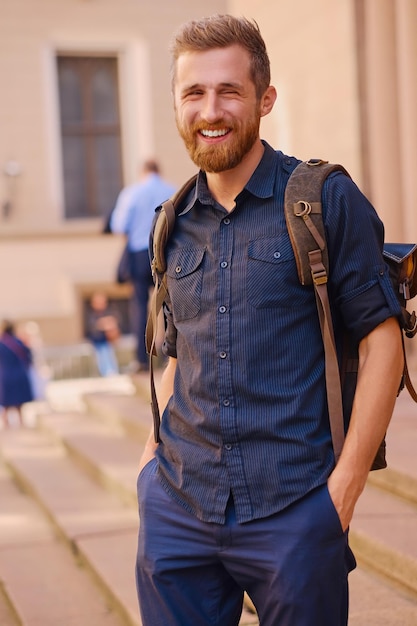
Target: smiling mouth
215,133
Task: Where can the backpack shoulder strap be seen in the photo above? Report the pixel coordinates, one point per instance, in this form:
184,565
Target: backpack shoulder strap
163,228
165,223
303,214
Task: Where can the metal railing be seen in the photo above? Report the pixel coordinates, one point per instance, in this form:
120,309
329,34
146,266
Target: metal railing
78,360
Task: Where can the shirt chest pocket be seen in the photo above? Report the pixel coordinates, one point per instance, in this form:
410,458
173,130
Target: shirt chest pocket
185,280
272,279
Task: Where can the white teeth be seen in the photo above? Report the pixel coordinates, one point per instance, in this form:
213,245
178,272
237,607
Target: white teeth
214,133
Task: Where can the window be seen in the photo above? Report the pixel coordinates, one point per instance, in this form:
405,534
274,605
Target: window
90,134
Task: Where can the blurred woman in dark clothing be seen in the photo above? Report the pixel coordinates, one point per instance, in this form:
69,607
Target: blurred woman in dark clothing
15,360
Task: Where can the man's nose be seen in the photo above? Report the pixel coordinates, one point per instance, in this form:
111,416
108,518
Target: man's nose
211,111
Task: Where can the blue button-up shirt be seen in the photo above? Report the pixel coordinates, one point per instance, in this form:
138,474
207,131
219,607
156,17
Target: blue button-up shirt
248,415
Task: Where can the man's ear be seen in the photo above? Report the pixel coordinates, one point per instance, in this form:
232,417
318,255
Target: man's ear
268,100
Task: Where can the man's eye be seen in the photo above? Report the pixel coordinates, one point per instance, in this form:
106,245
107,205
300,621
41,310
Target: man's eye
194,92
230,93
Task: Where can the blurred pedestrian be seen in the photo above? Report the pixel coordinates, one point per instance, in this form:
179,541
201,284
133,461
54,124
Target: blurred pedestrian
15,386
102,331
133,216
39,371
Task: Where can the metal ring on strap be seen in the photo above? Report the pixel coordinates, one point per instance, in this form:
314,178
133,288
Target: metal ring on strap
306,210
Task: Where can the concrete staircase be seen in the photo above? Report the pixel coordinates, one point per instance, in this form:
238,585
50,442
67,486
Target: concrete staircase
68,517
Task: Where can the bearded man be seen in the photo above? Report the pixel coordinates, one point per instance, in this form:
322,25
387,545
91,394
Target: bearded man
242,492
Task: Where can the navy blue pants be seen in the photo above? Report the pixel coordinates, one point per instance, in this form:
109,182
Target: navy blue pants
294,565
141,274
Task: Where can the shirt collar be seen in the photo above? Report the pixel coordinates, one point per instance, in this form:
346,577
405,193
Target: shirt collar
261,184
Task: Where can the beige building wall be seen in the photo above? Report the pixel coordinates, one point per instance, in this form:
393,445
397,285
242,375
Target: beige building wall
313,66
389,76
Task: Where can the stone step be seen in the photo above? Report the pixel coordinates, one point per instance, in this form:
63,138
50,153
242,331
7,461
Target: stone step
375,602
65,395
141,382
8,615
132,413
43,583
383,528
400,477
95,523
383,536
101,448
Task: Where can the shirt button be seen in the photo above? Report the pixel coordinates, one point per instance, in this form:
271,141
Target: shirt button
277,255
178,269
222,309
228,446
226,402
226,220
223,264
223,355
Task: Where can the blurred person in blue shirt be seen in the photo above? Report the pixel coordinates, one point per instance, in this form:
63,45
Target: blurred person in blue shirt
133,215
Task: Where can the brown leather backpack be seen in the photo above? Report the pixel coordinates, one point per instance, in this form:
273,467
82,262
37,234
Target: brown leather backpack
303,212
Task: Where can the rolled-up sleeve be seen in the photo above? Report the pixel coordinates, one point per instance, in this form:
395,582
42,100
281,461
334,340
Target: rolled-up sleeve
359,281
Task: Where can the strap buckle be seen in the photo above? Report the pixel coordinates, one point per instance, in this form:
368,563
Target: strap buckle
319,278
